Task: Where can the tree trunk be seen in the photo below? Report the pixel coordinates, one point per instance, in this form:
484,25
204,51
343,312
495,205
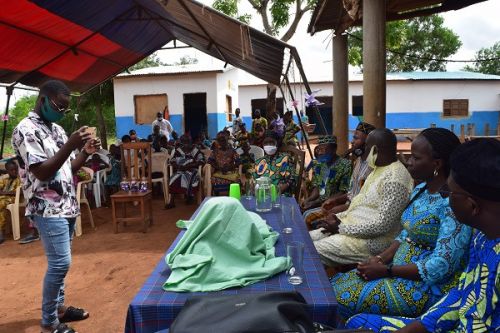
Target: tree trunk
271,102
102,126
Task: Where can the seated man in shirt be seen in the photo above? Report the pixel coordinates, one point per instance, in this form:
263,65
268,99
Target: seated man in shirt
155,138
473,305
372,220
331,174
340,202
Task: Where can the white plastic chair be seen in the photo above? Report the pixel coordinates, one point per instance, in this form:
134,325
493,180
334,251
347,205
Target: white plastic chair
82,199
98,188
159,163
256,151
15,216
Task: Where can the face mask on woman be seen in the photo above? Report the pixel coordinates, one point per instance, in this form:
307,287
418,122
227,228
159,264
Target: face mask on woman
270,150
325,158
372,158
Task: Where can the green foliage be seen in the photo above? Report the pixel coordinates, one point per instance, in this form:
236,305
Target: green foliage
150,61
412,44
280,14
186,60
276,14
230,8
487,67
20,110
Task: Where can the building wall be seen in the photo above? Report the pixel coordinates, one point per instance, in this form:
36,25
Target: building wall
412,104
227,85
174,86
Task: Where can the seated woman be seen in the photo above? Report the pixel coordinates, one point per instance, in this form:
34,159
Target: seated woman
427,257
114,177
276,166
96,163
225,162
247,160
291,130
257,138
331,174
243,137
185,178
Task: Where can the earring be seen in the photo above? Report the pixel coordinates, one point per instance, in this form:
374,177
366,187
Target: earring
436,173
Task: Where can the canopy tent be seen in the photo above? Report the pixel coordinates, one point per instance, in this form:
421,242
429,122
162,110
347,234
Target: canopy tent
340,15
83,43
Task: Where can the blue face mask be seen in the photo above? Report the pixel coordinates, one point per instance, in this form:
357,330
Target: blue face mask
326,158
48,112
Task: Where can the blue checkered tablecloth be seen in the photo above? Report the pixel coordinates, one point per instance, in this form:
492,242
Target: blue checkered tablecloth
154,309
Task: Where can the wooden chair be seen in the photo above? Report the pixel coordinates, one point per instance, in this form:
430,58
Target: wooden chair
82,200
135,161
15,216
207,178
298,159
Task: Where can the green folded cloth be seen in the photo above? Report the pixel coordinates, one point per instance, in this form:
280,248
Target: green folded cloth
225,246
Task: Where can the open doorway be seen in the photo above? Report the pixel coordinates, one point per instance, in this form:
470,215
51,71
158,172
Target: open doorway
195,113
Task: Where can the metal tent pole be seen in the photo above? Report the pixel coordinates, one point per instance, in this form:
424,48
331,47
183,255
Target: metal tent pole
295,55
9,91
298,116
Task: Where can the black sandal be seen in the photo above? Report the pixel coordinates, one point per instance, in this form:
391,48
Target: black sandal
63,328
73,314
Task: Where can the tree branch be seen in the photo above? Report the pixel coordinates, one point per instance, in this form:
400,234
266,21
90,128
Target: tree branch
255,4
265,19
293,27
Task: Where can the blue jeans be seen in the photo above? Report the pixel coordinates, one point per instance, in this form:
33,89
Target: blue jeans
56,234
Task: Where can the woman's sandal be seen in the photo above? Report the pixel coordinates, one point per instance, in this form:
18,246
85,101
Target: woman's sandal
73,314
62,328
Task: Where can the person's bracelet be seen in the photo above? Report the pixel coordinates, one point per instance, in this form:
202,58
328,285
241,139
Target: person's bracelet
389,270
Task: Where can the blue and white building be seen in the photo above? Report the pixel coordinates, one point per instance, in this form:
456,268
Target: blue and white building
414,100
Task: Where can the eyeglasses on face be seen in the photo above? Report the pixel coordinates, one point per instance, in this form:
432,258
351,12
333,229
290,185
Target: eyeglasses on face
60,109
446,193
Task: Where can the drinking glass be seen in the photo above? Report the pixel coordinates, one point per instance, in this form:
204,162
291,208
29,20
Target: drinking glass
295,257
287,217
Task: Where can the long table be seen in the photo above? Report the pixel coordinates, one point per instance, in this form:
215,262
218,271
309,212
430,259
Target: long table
154,309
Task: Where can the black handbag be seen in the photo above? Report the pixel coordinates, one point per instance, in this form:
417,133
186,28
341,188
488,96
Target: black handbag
270,312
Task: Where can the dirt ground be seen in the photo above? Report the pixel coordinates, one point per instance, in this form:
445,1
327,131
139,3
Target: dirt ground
107,271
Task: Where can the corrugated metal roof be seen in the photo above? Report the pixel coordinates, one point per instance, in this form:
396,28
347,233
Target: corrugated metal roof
442,76
320,77
178,69
333,14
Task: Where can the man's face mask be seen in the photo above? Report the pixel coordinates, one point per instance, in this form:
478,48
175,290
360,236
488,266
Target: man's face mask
49,113
270,149
359,151
325,158
372,157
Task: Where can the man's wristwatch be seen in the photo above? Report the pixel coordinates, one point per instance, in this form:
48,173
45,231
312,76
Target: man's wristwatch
389,269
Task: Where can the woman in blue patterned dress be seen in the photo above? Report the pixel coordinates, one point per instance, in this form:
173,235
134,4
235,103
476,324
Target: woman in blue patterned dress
473,305
427,257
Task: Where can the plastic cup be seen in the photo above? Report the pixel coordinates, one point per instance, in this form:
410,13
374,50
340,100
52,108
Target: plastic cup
234,191
295,257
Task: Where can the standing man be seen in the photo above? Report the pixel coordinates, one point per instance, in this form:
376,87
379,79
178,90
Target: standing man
237,121
165,126
47,158
258,120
